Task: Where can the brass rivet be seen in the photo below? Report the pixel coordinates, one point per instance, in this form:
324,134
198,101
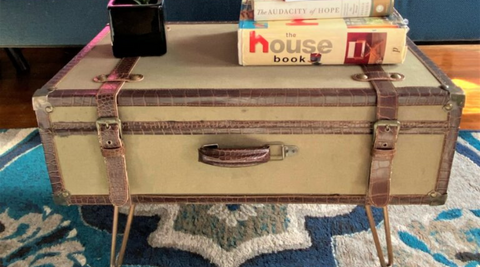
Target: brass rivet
448,107
49,109
434,194
444,87
109,142
396,76
136,77
100,78
361,77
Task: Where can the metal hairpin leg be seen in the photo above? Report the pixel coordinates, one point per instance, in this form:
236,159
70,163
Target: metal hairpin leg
388,236
117,261
18,60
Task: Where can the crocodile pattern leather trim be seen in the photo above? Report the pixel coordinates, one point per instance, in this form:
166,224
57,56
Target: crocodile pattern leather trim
233,157
110,136
237,199
248,127
344,97
51,159
387,98
107,94
448,151
453,120
381,169
385,138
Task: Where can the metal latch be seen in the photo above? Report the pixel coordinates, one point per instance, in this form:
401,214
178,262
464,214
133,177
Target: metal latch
280,151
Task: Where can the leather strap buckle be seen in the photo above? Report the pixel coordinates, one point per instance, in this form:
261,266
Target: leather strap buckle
108,122
388,125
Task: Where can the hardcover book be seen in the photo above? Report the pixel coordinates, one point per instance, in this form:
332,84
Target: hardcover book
372,40
318,9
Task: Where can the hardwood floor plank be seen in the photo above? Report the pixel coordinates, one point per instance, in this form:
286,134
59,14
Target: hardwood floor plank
462,64
16,90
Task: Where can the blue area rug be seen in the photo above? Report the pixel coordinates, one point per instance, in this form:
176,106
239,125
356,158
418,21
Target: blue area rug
36,232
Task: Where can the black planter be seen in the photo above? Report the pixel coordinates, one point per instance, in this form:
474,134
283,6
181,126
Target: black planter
137,30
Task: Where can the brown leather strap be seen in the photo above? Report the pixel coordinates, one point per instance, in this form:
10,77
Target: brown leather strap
385,134
233,157
109,129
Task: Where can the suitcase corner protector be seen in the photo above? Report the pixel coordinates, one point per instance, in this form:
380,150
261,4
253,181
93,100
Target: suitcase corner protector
62,198
437,199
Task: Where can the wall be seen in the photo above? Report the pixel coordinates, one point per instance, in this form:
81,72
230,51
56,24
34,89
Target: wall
74,22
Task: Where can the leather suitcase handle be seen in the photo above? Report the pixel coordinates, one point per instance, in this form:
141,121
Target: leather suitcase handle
233,157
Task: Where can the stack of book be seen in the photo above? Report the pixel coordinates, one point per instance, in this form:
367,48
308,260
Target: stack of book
316,32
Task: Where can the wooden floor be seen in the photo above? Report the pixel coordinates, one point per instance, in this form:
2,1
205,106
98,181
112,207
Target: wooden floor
459,62
462,64
16,90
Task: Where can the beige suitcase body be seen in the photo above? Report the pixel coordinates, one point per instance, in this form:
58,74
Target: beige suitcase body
197,94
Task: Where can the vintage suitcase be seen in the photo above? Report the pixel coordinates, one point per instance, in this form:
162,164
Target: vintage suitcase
167,129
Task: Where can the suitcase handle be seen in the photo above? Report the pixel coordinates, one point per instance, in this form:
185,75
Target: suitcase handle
242,157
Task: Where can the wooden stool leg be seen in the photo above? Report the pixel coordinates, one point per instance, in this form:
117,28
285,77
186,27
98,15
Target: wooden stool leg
117,261
388,236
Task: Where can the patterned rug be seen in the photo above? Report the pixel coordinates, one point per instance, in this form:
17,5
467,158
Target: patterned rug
36,232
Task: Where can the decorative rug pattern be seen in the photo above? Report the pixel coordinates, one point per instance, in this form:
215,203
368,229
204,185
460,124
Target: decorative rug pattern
36,232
